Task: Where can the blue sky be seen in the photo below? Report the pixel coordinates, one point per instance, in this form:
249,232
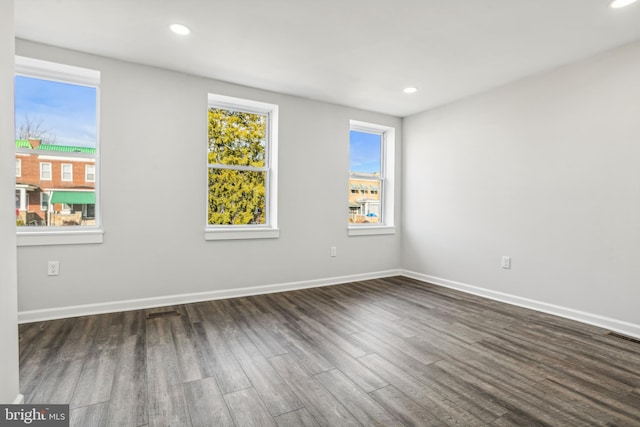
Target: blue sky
364,152
68,111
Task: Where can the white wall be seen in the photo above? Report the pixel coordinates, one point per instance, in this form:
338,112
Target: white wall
153,175
545,170
8,288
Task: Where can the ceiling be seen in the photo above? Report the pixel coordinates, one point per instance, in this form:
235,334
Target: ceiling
359,53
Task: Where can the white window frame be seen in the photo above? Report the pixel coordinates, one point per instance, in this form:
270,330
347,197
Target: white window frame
86,234
50,172
62,166
18,168
386,179
268,230
86,173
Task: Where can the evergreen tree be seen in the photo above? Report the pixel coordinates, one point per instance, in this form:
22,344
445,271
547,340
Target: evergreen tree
236,139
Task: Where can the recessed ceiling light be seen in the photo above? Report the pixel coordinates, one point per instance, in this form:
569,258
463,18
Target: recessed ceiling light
616,4
410,90
183,30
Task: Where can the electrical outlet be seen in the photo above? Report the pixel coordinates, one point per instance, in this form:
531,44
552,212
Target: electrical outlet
506,262
333,251
53,268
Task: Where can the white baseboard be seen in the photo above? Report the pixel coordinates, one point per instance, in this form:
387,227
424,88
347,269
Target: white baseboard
620,326
136,304
19,400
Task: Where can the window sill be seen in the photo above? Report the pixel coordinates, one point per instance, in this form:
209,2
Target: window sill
59,237
241,233
371,230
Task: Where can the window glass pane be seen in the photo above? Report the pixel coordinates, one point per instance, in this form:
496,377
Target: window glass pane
365,152
237,138
365,177
57,113
55,121
236,197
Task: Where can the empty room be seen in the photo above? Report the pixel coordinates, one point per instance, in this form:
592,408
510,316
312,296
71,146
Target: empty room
333,213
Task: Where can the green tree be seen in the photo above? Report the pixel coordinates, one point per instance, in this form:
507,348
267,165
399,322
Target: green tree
237,174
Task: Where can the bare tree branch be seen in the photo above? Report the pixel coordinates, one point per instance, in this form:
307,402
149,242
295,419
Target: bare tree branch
35,129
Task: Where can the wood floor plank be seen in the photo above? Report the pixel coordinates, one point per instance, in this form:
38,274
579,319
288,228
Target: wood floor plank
92,415
297,418
403,407
446,411
33,368
80,340
273,391
517,420
42,335
58,382
477,403
98,371
509,396
364,377
366,410
167,404
395,345
586,411
206,405
326,410
305,352
158,330
128,403
334,317
248,410
313,327
226,369
190,350
251,321
96,379
555,361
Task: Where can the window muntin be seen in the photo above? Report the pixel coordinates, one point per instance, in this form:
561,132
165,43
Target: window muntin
45,171
371,171
56,109
66,172
241,178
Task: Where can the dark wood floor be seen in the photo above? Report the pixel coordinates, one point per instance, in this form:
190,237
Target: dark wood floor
381,352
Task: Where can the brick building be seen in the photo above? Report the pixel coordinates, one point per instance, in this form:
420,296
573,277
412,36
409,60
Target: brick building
55,184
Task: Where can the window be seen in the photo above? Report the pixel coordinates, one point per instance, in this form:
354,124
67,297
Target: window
241,172
56,112
371,172
44,202
45,171
66,170
18,168
90,173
